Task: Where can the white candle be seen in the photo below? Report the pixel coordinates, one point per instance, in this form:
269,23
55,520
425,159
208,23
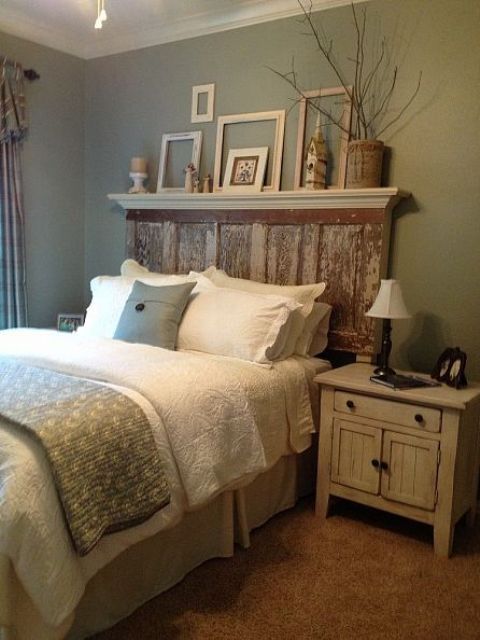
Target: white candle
138,165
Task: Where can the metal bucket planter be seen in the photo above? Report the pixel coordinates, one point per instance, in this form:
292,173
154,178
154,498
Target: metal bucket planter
364,164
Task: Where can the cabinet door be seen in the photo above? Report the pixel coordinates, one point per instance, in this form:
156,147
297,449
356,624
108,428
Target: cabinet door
354,448
411,475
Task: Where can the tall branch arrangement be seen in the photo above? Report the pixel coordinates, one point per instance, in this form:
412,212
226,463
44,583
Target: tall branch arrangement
371,90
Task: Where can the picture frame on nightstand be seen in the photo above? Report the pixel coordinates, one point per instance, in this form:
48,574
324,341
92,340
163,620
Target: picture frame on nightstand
69,322
450,368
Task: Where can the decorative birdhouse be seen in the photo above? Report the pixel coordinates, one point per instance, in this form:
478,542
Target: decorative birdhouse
316,158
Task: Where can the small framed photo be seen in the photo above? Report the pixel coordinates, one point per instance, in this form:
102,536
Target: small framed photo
69,321
450,368
245,170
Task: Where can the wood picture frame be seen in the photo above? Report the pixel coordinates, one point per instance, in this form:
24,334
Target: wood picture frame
168,139
245,170
344,137
277,150
197,91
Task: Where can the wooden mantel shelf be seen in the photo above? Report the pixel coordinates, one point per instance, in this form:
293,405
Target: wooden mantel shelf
383,198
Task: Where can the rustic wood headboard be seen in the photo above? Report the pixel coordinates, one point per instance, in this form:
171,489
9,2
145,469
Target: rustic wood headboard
329,239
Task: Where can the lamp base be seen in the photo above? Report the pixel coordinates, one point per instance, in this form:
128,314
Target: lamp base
384,371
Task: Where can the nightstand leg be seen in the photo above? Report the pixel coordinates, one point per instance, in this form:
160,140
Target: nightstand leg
322,505
470,519
443,539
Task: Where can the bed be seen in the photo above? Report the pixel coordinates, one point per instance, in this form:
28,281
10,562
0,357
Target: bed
48,591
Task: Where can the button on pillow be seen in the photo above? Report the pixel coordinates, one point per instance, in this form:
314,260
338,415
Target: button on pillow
152,314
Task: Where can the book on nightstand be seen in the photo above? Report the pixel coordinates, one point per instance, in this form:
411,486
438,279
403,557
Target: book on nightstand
399,381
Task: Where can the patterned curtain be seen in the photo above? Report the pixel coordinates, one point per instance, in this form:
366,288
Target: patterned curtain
13,126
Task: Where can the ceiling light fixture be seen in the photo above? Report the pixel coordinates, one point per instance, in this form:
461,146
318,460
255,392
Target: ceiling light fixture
101,14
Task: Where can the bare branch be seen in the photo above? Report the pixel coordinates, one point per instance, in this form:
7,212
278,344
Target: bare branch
325,50
385,99
368,105
300,93
405,107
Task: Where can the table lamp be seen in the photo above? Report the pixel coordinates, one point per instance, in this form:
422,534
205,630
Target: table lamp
388,305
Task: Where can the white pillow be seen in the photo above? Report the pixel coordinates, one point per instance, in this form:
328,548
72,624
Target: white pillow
320,339
109,295
233,323
315,334
132,268
304,294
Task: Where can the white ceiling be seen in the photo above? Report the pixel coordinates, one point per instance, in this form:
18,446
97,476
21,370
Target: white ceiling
67,25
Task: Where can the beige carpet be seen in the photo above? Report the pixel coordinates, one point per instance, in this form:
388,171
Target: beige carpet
364,574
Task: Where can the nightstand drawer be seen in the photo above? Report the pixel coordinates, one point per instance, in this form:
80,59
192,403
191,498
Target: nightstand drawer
408,415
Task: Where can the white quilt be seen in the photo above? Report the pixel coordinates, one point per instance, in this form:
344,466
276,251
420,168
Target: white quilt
216,421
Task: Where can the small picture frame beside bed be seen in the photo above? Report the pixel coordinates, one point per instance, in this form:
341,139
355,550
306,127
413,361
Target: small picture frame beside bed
69,321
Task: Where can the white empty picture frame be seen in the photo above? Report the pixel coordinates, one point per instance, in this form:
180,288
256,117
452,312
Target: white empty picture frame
171,138
197,91
277,150
344,136
245,170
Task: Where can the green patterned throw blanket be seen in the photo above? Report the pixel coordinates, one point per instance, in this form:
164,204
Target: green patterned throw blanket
99,444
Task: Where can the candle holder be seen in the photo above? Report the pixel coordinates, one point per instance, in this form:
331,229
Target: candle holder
138,179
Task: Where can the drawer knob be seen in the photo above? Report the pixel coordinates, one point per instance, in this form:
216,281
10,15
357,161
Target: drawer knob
350,404
384,465
418,417
375,463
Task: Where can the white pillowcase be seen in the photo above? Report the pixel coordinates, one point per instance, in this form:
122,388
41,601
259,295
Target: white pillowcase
132,268
238,324
305,324
314,338
109,295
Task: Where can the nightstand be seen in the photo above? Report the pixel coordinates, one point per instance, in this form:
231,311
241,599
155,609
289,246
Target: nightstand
411,452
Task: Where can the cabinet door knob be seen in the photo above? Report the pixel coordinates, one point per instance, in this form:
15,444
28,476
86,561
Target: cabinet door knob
418,417
350,404
375,463
384,465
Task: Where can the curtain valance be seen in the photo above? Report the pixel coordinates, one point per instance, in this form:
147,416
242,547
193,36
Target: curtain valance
13,117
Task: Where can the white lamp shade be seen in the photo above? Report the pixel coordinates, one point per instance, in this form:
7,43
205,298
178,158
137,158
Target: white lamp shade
389,302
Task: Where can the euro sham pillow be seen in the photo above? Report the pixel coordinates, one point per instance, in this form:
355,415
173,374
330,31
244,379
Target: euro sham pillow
236,324
132,268
151,314
302,327
320,339
315,336
109,295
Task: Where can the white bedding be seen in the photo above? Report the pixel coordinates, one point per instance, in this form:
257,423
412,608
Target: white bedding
217,421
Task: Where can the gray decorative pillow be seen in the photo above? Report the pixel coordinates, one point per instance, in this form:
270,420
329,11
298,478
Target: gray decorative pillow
151,315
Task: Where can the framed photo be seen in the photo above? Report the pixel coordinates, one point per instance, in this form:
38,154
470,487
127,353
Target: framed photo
207,90
337,102
245,170
277,147
168,141
69,321
450,368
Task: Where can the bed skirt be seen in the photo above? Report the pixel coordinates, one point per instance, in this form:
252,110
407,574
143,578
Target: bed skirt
158,563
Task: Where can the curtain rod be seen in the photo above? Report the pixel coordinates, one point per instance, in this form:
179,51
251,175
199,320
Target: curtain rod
30,74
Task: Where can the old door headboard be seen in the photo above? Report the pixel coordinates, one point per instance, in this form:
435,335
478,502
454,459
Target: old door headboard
340,237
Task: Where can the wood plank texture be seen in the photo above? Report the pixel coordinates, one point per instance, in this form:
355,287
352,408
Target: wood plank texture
346,249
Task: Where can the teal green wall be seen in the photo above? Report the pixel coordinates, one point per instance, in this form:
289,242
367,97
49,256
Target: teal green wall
132,98
53,170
